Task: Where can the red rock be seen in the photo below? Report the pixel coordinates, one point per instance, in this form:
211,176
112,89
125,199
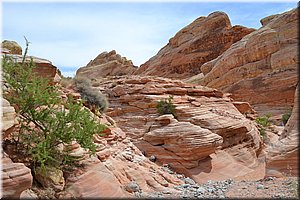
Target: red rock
16,178
261,68
201,41
282,155
106,64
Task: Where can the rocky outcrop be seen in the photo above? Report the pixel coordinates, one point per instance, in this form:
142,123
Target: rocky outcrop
8,118
261,68
11,46
282,155
207,125
44,68
199,42
107,64
16,178
119,169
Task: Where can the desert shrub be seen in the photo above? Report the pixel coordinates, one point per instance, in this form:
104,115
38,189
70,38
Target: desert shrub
46,121
66,81
91,95
285,117
166,106
263,123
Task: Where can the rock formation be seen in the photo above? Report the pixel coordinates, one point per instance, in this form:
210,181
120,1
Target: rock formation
199,42
16,177
206,128
44,67
11,46
8,118
117,165
261,68
107,64
282,155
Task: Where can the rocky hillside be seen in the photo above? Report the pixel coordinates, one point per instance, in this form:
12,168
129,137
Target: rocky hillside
199,42
262,67
107,64
208,139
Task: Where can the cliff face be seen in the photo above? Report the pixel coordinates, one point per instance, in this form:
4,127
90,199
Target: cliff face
107,64
199,42
282,155
261,68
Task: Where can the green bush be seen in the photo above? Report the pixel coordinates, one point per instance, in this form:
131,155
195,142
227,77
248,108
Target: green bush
166,106
91,95
46,121
263,122
285,117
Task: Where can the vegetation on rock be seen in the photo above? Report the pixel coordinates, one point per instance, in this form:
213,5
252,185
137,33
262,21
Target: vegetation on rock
91,95
263,122
47,123
285,117
166,106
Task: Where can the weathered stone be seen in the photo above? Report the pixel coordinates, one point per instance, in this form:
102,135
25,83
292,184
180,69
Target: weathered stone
16,178
261,68
50,177
282,155
199,42
106,64
12,46
8,118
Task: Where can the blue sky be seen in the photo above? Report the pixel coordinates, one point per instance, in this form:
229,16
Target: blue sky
71,34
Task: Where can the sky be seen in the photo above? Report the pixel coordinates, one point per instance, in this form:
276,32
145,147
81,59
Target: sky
71,33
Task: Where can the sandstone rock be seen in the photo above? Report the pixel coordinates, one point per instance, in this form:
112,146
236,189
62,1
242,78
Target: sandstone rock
12,46
199,42
206,120
282,155
261,68
16,178
8,118
190,142
106,64
50,178
44,68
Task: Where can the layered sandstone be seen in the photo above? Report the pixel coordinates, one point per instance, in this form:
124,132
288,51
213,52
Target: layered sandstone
16,178
282,155
8,118
44,67
206,126
199,42
118,163
261,68
107,64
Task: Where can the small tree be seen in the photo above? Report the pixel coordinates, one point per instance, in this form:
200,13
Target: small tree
166,106
47,122
286,116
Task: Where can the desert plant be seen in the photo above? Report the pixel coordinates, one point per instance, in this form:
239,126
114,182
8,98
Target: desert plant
263,123
91,95
166,106
46,121
285,117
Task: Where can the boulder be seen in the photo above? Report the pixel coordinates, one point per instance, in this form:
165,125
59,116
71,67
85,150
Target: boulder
12,47
197,43
261,68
